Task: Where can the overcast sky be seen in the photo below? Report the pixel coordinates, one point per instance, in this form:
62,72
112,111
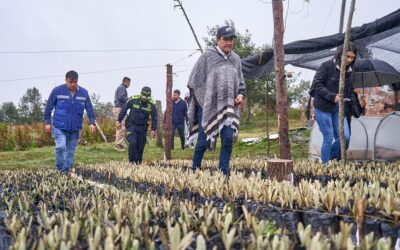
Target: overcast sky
144,27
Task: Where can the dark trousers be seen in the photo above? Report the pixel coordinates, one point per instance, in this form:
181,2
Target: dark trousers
137,140
181,131
226,135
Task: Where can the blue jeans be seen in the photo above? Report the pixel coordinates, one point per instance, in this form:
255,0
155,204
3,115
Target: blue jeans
329,126
65,148
226,135
181,131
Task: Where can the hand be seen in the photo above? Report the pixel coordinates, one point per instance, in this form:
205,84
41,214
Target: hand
337,98
152,133
92,128
119,125
239,99
47,128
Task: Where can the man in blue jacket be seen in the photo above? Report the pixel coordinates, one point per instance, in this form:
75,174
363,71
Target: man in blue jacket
69,102
179,110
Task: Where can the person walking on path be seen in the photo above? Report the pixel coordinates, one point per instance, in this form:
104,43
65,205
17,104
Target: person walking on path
217,88
141,108
179,113
324,89
120,99
69,102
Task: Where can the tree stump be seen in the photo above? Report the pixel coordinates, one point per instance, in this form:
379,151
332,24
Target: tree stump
279,169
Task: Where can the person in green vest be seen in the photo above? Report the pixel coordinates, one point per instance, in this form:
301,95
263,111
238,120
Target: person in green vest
141,109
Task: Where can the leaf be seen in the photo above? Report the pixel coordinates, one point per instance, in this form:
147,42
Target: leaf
200,243
186,241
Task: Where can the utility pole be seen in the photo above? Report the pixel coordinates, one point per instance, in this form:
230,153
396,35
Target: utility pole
168,114
342,11
341,82
179,4
281,88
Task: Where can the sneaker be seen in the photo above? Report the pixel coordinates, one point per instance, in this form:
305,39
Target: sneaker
119,147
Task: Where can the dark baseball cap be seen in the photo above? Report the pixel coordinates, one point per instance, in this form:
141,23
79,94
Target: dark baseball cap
226,31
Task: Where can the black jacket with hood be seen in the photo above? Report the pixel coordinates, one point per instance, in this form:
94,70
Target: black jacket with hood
325,87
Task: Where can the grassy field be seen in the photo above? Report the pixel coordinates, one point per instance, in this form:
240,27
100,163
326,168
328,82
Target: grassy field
98,153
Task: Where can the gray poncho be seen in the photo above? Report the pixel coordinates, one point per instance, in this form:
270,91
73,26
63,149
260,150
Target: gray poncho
214,84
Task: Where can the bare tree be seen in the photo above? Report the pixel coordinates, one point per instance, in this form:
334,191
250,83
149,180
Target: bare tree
342,82
281,88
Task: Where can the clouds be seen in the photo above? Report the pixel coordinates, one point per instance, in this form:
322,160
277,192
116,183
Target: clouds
105,24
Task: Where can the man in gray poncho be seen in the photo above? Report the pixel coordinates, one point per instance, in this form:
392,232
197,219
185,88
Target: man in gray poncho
217,89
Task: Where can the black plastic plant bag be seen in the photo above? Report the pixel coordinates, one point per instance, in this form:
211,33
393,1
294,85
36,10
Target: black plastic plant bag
321,222
390,230
290,221
373,225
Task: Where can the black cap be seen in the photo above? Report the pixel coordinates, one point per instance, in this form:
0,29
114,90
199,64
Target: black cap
146,91
226,31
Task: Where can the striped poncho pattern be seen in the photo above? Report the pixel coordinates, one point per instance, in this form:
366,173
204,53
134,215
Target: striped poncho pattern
214,84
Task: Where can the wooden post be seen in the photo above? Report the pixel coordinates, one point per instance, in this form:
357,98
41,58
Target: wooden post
101,132
396,99
303,119
168,114
281,89
279,169
360,218
160,119
341,83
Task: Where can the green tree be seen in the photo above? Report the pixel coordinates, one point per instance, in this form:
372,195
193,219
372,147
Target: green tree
101,110
297,92
9,113
30,106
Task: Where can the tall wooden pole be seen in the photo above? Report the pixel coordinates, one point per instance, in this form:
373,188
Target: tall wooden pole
281,89
168,114
160,119
342,82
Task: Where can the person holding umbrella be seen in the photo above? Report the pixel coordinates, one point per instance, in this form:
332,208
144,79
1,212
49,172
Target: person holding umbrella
325,89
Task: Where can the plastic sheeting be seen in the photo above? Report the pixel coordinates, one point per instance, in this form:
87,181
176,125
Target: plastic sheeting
378,39
372,138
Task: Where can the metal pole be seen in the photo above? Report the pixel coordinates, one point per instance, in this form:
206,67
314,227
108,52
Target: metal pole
342,12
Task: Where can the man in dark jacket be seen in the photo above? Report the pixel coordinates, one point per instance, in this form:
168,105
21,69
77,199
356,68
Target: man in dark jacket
141,107
120,99
179,110
69,102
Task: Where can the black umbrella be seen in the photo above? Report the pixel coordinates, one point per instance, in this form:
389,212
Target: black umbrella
374,73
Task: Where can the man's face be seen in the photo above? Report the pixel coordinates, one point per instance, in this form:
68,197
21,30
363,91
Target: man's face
143,98
127,83
350,56
72,84
225,44
175,97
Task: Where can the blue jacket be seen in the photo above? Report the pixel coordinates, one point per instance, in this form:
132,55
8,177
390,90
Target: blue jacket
179,110
68,109
121,96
